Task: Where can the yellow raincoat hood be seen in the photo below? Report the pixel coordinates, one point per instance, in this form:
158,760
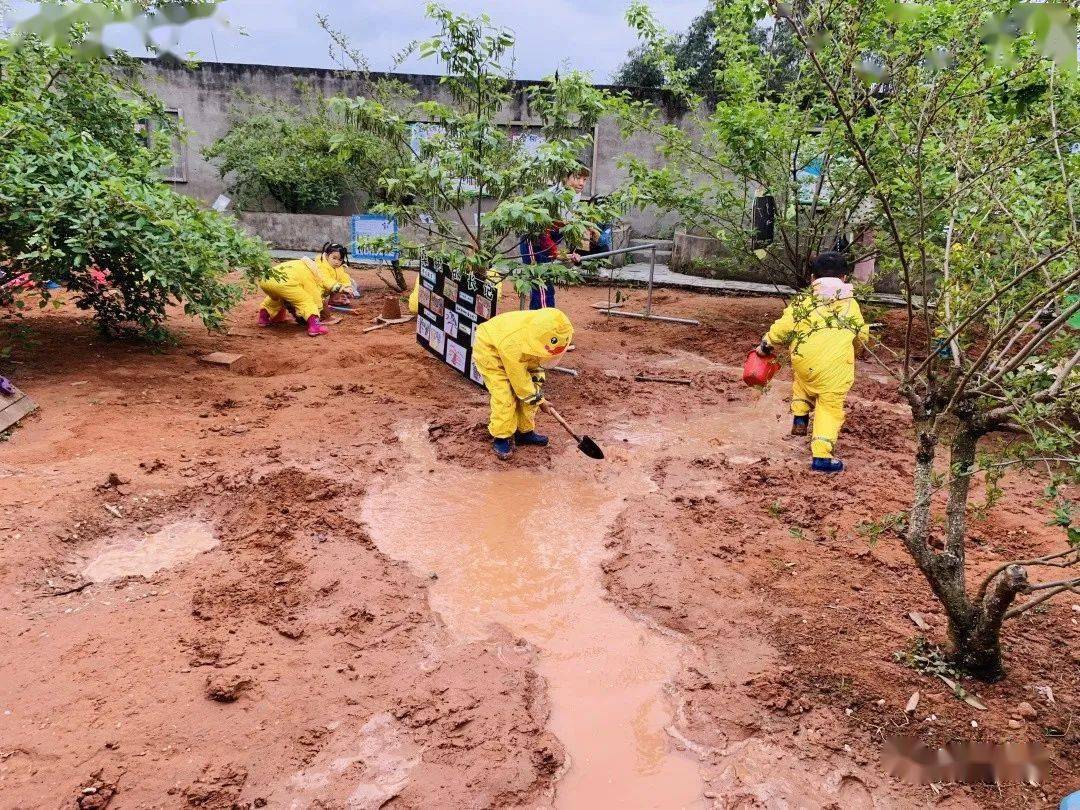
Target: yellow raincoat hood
548,335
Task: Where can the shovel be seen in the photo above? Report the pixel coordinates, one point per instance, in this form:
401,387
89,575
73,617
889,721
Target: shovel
585,444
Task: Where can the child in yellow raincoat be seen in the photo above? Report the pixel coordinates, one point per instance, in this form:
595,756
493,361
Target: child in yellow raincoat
823,329
300,287
509,352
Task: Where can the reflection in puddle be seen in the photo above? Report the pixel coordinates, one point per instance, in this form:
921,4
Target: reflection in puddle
172,546
523,548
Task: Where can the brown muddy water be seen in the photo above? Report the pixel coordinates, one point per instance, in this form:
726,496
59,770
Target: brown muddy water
522,548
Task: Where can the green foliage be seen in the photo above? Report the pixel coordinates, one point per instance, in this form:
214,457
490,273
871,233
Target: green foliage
874,530
80,25
468,187
305,155
694,51
753,129
82,202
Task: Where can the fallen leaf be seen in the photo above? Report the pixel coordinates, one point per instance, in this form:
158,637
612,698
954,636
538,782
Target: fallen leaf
920,622
913,703
963,694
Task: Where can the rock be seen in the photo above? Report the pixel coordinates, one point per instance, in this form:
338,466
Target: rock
225,688
1015,724
290,629
1027,711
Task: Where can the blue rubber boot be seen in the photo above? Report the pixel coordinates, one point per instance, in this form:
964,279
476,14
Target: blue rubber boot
504,448
532,437
800,425
827,465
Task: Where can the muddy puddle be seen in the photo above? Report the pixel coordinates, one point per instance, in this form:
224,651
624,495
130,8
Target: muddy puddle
173,545
522,548
745,434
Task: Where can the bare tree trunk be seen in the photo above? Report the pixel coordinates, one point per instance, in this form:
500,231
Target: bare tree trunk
399,276
919,520
938,572
974,629
961,464
978,650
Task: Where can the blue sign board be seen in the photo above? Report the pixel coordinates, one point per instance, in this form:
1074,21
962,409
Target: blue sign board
365,226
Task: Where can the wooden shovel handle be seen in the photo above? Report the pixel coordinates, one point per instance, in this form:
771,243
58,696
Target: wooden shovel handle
555,415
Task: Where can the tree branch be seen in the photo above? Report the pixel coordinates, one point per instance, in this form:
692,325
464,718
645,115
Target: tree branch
1046,560
1050,594
970,319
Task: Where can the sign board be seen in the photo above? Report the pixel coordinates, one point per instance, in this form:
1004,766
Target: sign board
812,186
366,226
451,306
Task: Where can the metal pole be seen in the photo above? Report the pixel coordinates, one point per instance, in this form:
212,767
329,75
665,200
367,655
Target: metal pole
647,314
594,256
652,272
642,316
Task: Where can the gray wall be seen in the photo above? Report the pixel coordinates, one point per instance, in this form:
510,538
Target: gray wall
205,94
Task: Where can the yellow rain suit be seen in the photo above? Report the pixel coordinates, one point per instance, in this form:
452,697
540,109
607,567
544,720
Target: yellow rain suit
332,279
414,297
823,336
302,283
509,352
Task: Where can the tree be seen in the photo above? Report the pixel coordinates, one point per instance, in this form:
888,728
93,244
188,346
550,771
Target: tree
963,145
694,51
756,129
82,202
304,155
463,181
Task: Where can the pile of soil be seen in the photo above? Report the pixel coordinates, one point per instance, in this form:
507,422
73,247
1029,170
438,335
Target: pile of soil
296,662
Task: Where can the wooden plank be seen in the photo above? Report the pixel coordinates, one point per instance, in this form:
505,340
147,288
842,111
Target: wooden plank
15,410
221,359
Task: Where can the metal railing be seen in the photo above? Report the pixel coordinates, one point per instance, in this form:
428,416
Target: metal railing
647,314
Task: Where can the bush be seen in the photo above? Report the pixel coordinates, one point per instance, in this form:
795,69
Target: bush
304,156
82,201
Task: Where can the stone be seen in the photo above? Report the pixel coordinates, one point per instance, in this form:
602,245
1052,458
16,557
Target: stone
222,359
1027,711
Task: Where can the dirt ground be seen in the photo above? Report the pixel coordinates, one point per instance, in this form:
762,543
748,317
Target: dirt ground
294,664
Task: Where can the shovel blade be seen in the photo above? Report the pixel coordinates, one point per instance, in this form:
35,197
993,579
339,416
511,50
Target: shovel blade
590,448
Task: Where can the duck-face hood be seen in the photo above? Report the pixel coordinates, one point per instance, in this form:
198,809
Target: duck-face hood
549,333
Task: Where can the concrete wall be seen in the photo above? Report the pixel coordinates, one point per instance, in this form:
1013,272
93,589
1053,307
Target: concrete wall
297,231
205,94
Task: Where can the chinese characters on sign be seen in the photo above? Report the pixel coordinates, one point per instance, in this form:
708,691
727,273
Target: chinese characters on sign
452,305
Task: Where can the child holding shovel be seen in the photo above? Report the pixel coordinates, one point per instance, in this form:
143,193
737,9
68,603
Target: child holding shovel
822,328
509,352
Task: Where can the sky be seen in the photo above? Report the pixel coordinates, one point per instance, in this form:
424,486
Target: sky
590,35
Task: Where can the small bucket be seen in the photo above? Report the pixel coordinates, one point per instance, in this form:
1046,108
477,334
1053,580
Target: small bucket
758,370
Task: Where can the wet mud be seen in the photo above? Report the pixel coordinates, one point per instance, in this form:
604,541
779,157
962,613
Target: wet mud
217,586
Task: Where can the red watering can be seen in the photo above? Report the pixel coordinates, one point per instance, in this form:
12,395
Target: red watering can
758,370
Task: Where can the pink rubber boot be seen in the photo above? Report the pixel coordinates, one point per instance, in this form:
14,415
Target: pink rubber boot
315,327
264,318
